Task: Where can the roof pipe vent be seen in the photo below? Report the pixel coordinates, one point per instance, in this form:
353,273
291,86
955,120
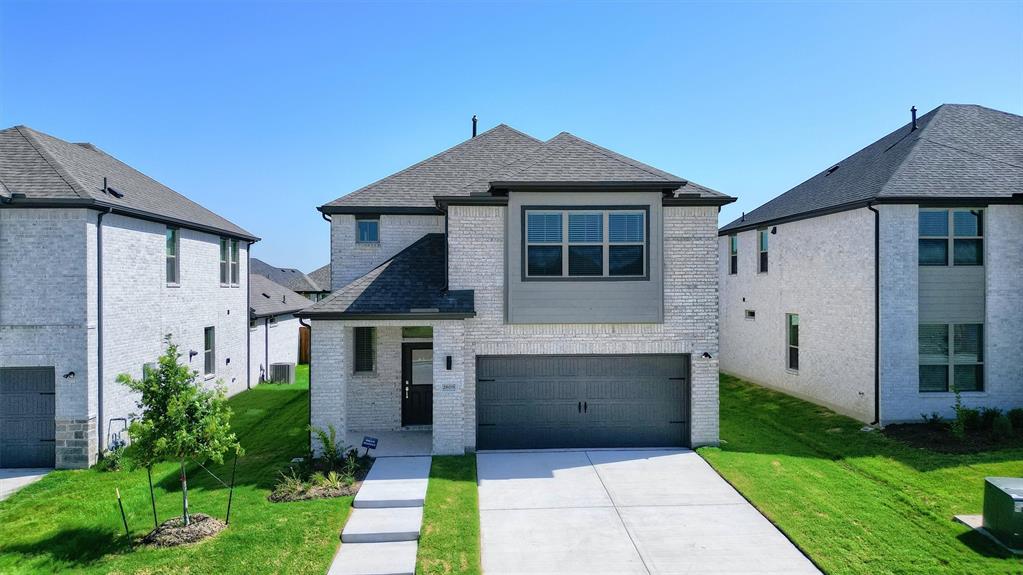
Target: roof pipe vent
913,112
474,125
105,184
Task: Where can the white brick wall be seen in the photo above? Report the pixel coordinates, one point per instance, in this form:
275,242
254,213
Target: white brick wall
328,376
822,269
374,398
351,260
476,261
48,315
283,345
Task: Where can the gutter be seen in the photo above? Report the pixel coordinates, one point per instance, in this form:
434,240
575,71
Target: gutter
99,332
302,323
266,346
248,316
877,314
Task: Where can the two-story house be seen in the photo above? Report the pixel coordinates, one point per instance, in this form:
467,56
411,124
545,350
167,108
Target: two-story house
516,293
98,263
273,328
889,279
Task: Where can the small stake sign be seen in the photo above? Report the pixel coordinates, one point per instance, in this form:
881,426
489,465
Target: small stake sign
369,443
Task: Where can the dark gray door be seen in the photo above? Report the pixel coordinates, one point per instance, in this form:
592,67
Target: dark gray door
539,402
27,428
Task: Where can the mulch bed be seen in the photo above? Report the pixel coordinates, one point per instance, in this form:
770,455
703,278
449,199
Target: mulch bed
938,437
321,492
173,532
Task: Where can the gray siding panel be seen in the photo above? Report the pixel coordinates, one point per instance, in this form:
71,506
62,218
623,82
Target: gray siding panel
952,294
584,301
564,401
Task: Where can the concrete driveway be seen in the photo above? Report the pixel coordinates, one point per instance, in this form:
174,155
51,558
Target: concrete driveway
12,480
628,511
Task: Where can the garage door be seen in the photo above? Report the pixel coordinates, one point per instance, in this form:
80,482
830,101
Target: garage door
540,402
26,417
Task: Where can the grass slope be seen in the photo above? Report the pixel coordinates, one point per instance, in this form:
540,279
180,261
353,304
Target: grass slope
854,501
69,521
450,538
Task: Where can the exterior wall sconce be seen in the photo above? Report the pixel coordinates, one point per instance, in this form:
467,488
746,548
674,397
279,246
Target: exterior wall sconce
192,353
69,375
706,355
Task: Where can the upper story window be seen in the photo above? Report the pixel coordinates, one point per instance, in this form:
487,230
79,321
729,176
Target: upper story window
229,265
367,231
599,243
235,264
762,242
965,243
173,250
733,254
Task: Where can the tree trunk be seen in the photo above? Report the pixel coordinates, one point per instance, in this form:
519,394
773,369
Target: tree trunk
184,493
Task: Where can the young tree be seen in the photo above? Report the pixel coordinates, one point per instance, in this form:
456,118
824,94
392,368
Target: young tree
181,419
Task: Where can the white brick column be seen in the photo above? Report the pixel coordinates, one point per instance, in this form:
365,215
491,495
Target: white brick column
328,378
448,388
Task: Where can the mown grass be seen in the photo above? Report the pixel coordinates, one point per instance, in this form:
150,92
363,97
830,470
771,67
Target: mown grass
856,501
450,538
69,521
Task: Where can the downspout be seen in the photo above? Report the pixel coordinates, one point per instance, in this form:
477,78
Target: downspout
877,314
99,331
302,323
248,314
266,345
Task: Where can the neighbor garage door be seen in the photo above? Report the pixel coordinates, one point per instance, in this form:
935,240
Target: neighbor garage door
26,417
529,402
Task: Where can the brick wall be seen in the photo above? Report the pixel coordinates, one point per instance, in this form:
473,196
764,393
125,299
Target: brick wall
351,260
328,376
283,348
822,269
374,398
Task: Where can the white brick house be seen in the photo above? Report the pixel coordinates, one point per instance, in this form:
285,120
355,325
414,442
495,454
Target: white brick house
932,212
273,327
511,292
97,264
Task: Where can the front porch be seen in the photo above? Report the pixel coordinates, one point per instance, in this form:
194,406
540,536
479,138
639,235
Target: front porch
390,443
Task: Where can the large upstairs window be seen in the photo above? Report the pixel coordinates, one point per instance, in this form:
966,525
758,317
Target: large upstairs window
951,237
585,243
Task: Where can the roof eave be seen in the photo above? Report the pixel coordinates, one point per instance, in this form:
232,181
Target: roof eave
382,210
386,315
612,185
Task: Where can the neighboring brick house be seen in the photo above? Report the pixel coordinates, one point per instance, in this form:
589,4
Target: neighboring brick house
511,292
273,327
295,280
932,212
98,263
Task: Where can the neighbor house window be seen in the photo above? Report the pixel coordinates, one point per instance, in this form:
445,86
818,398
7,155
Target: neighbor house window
792,340
235,264
365,348
733,254
367,231
599,243
273,321
951,357
209,351
225,261
173,250
959,233
762,241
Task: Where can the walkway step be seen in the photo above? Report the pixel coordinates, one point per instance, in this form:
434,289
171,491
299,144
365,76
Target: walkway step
395,558
383,525
394,482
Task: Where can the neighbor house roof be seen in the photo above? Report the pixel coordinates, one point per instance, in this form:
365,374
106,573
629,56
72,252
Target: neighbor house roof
961,152
290,278
504,157
37,169
410,284
321,277
270,298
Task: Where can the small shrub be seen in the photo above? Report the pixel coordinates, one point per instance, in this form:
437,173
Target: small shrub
933,419
1001,428
1016,418
290,483
332,480
971,419
958,427
113,460
331,451
988,415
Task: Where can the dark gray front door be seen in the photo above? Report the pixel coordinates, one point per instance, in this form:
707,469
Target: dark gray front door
529,402
27,428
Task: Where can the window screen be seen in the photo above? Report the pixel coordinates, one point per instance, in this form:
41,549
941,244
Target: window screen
365,348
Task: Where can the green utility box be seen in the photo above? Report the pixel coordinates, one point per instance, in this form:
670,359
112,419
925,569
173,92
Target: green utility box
1003,510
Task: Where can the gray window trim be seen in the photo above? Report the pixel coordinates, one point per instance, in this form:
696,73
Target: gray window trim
605,209
733,254
951,237
176,256
788,342
209,348
369,219
234,257
225,261
763,257
355,350
950,361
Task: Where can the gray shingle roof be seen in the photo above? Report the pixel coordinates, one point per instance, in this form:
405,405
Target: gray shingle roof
411,282
290,278
504,154
270,298
321,277
47,169
957,151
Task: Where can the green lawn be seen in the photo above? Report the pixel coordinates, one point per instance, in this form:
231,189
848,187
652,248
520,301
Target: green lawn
450,538
854,501
69,521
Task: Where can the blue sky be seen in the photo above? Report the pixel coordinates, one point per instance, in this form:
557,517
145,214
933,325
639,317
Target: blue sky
263,111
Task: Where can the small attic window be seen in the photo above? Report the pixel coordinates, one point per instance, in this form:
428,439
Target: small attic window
831,170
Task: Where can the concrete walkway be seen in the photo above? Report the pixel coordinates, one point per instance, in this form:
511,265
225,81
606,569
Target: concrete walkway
381,536
628,511
12,480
